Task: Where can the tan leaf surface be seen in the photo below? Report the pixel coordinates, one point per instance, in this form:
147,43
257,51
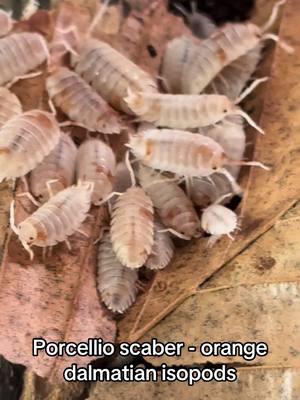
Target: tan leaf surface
252,384
269,194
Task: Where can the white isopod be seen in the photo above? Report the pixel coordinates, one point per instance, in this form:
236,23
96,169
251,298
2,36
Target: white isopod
80,102
218,220
174,208
183,111
58,167
96,163
132,227
111,74
117,284
55,220
6,23
183,153
21,53
25,140
162,250
10,105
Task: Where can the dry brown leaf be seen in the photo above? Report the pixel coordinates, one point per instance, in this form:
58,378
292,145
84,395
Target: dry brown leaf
269,194
252,384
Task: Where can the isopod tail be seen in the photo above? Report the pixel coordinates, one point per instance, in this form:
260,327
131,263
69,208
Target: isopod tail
247,117
273,16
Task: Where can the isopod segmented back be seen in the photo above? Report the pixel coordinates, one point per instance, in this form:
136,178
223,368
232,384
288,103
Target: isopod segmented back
21,53
117,284
111,74
162,250
132,227
96,163
10,105
80,102
58,167
25,140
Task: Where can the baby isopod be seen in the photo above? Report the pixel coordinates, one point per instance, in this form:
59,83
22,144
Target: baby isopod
10,105
55,220
25,140
132,227
111,74
162,250
183,153
117,284
174,208
96,163
80,102
57,169
219,220
183,111
21,53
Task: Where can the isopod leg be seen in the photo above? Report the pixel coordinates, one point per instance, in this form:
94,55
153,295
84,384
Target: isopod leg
12,218
235,186
175,233
29,197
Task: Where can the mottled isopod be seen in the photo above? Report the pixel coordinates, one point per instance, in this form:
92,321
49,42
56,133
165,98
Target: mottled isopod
25,140
183,111
80,102
57,219
10,105
58,166
111,74
183,153
162,250
21,53
174,208
132,227
117,284
96,163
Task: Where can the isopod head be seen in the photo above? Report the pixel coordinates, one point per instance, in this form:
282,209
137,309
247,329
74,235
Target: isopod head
218,220
28,233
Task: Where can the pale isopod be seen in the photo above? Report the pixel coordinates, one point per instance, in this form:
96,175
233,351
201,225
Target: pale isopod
162,250
117,284
10,105
6,23
174,208
21,53
96,163
219,220
58,166
111,74
55,220
202,63
183,111
80,102
25,140
132,227
183,153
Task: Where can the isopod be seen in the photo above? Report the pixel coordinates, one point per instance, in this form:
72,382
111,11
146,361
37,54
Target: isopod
162,250
6,23
132,227
174,208
25,141
58,168
55,220
10,105
183,153
96,163
205,61
183,111
111,74
117,284
21,53
80,102
218,220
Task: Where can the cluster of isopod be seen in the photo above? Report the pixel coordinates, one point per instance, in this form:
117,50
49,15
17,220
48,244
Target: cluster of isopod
187,147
